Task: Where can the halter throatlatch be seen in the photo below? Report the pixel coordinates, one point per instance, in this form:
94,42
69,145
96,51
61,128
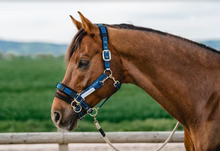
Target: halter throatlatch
77,100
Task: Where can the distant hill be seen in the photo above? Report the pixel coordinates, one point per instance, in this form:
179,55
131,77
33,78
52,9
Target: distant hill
34,48
212,43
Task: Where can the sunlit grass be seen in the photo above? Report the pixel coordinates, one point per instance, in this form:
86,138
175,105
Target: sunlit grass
27,88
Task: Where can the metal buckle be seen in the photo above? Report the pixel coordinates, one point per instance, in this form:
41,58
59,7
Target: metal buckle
76,105
106,55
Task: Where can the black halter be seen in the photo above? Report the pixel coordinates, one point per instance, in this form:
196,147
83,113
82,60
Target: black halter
77,100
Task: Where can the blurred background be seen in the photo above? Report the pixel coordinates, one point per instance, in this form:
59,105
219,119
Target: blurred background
34,37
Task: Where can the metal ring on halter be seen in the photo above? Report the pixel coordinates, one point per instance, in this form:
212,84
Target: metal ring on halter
94,114
109,70
77,104
108,76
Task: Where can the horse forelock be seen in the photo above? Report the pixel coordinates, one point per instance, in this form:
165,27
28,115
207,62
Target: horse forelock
75,43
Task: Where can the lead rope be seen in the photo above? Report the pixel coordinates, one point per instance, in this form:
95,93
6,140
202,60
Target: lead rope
170,136
103,134
110,144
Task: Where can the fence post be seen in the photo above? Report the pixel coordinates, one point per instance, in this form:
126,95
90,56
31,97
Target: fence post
63,146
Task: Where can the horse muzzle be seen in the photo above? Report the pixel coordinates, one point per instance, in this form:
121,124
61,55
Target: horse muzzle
63,118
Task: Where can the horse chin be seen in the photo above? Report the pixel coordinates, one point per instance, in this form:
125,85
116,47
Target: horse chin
73,124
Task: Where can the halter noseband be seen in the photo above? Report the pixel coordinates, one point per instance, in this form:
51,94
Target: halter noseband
77,100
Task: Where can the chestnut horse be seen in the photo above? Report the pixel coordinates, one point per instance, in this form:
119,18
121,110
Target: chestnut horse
181,75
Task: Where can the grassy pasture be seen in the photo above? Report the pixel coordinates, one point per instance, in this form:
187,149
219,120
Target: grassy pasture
27,87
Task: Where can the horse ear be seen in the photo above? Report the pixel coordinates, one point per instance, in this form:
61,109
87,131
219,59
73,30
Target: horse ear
77,23
87,25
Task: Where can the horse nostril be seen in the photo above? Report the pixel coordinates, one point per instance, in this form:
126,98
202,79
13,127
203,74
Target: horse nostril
56,116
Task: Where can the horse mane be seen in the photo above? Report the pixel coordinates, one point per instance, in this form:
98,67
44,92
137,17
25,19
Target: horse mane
132,27
81,33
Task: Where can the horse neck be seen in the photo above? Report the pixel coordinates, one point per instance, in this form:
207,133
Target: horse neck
168,68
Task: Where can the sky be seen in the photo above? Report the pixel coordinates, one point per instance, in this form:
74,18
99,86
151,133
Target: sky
50,21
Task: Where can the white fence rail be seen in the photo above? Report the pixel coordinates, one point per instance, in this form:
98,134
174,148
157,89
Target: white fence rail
87,137
63,138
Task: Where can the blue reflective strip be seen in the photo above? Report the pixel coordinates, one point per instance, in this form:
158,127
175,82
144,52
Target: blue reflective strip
64,89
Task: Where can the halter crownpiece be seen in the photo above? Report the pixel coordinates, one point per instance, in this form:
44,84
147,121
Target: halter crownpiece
77,100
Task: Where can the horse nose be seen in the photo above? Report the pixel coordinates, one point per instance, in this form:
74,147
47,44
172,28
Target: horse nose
56,117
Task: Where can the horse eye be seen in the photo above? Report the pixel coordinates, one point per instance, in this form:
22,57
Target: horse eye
83,64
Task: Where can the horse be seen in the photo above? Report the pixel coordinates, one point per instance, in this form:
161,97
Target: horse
181,75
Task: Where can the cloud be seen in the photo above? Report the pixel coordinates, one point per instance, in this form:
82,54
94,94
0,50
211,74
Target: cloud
47,21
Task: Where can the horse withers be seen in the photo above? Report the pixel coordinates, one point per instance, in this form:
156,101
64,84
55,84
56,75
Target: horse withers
181,75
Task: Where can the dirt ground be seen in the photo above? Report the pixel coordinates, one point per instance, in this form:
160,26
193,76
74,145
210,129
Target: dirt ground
94,147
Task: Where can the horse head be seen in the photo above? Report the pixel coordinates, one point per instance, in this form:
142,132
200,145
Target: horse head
85,64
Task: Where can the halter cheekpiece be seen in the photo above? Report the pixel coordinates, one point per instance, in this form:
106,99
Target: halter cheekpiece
77,100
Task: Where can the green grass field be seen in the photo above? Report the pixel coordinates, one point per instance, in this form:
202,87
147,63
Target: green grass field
27,87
